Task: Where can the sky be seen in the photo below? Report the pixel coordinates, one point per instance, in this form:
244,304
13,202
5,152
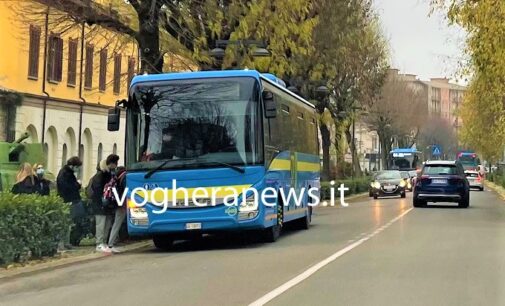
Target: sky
420,44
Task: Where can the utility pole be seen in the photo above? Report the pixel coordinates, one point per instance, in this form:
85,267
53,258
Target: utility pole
353,151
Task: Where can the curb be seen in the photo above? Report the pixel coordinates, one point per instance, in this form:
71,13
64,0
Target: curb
65,262
496,188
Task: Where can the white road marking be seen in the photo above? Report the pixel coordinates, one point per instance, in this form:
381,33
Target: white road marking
310,271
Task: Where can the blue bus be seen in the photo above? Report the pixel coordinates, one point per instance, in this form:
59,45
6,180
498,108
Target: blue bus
222,132
404,159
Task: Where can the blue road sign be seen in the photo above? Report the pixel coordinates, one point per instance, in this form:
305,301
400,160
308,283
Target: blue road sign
436,150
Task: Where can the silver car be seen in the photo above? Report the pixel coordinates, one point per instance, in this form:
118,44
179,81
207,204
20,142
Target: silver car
475,179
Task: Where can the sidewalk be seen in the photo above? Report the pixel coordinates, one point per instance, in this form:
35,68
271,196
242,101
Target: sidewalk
79,255
496,188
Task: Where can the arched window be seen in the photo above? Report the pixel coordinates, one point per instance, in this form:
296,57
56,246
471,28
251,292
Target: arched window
52,149
64,155
100,153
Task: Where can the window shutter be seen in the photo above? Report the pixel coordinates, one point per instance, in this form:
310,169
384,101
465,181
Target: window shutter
72,62
103,70
34,52
117,73
88,77
59,59
51,58
131,71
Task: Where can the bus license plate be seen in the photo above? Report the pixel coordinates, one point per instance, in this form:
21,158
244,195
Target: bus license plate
439,182
193,226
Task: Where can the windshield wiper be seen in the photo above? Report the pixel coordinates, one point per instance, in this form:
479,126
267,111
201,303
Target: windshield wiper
233,167
154,170
163,164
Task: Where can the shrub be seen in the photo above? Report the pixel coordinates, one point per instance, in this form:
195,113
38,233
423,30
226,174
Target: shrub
30,226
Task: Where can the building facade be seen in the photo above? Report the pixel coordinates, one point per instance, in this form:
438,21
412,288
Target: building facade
68,74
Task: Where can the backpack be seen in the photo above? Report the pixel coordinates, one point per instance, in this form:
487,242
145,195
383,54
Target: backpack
108,195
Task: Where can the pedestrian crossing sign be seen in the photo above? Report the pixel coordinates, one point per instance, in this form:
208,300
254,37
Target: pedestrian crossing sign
436,151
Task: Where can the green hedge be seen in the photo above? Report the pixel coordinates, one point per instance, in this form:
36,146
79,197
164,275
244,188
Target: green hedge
30,226
357,185
496,178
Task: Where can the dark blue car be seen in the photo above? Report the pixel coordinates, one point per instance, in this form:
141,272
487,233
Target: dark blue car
442,181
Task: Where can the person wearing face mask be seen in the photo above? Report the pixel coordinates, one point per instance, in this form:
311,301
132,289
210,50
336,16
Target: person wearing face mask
69,190
103,211
42,184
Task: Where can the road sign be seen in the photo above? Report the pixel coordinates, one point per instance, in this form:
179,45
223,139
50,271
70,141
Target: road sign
436,151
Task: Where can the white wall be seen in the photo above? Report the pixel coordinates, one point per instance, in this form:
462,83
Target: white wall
63,124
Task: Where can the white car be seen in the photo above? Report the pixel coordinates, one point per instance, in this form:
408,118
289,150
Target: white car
475,179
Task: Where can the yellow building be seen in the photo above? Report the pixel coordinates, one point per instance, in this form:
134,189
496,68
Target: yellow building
68,74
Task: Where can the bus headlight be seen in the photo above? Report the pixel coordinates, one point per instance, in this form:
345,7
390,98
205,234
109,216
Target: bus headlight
248,209
138,216
250,204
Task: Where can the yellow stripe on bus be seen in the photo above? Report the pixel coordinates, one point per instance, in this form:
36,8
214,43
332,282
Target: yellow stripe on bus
220,192
285,165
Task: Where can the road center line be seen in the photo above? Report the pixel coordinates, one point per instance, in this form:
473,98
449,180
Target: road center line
307,273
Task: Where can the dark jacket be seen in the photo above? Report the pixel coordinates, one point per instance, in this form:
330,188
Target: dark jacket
26,186
43,186
96,185
67,185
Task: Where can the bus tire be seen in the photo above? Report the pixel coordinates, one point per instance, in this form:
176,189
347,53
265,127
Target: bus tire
163,242
273,233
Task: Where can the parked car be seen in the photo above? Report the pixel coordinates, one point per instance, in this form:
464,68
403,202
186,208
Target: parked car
442,181
475,179
406,177
388,183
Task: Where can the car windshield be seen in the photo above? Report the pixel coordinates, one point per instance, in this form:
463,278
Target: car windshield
440,170
389,175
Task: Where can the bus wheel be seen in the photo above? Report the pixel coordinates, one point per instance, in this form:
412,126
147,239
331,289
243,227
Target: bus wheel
272,233
163,242
305,221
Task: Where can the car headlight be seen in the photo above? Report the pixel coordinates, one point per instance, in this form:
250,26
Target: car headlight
250,204
402,183
376,185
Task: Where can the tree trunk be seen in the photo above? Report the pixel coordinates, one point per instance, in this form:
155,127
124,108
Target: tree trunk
340,154
326,141
352,145
149,38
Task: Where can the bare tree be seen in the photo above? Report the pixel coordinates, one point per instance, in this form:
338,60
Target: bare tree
438,131
398,113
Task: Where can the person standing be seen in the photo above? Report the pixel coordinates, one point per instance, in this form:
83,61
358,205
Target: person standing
69,190
25,181
119,211
42,184
103,210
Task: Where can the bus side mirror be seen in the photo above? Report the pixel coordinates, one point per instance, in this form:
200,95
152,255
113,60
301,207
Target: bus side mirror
269,103
113,119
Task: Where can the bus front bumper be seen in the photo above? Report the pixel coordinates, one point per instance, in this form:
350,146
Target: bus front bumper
201,220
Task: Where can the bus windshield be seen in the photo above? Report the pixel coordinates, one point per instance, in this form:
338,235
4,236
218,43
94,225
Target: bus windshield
207,121
403,161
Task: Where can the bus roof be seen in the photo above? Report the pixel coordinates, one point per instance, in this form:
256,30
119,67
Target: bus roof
404,150
270,78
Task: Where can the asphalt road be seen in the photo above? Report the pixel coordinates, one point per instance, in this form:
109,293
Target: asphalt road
371,253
